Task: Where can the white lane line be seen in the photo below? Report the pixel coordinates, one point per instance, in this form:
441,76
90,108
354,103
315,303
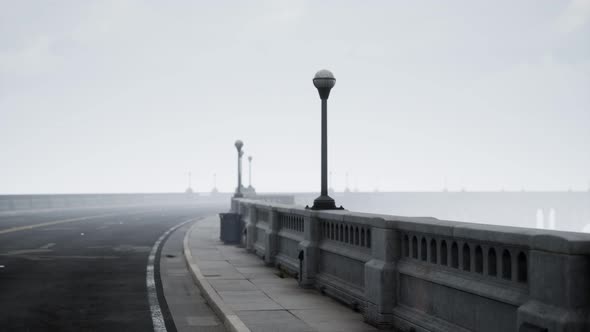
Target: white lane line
157,317
58,222
51,223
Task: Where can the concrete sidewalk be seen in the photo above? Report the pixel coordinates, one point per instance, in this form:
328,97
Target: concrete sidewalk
249,296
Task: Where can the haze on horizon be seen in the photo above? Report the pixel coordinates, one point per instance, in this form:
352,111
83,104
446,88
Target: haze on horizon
129,95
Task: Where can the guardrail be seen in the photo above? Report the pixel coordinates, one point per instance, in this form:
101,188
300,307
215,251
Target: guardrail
428,274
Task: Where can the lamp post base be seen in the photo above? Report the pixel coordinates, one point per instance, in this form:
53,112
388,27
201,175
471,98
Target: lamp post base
324,203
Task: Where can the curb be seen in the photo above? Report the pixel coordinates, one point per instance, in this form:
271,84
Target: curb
230,320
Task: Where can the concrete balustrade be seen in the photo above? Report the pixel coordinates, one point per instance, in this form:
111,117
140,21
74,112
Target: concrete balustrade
272,198
290,234
428,274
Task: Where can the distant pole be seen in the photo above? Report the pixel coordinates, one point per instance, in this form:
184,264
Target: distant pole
250,171
214,190
189,189
324,81
239,145
347,188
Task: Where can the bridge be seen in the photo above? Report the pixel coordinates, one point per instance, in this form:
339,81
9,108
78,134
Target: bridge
401,273
427,274
405,261
107,106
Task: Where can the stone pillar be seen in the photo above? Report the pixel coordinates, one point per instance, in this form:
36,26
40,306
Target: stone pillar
380,277
558,286
251,228
271,241
311,251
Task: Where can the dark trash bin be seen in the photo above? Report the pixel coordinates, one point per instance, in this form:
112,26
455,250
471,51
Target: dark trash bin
230,230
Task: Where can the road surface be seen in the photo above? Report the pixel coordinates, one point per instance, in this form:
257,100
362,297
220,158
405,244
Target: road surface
86,269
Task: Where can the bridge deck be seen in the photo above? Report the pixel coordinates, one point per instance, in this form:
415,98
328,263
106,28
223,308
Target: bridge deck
260,298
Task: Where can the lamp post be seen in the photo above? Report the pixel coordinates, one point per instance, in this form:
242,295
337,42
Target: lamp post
324,81
249,172
189,189
214,190
347,188
239,145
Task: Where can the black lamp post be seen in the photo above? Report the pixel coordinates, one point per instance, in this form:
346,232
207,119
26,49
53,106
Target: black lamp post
324,81
249,172
239,145
189,189
214,190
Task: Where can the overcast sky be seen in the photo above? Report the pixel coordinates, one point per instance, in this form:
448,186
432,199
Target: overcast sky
129,96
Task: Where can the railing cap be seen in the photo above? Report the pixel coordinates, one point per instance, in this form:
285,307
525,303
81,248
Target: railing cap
561,242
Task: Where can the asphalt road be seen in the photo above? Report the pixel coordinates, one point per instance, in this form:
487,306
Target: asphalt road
82,270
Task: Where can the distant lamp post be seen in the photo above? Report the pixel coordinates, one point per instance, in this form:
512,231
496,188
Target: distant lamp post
189,189
324,81
250,188
239,145
214,190
249,171
346,188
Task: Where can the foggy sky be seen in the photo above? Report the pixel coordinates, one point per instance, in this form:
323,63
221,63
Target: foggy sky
129,96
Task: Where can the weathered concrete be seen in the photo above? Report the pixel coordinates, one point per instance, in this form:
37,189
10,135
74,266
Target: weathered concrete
188,308
251,296
429,274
